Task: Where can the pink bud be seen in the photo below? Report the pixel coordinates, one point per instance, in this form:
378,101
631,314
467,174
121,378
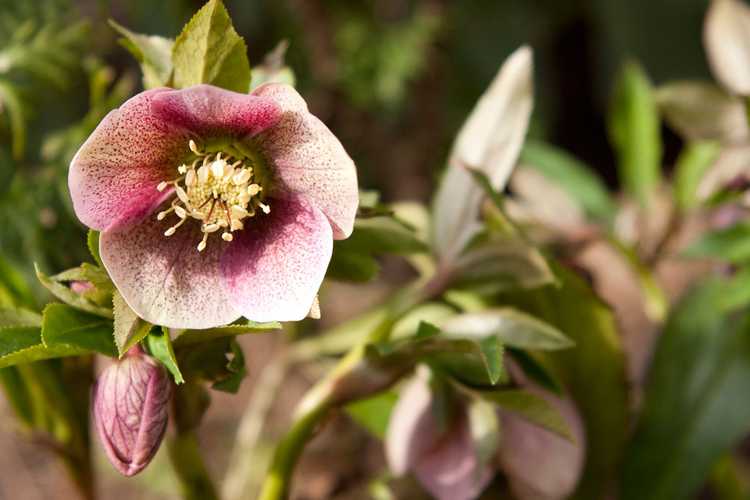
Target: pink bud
81,287
130,410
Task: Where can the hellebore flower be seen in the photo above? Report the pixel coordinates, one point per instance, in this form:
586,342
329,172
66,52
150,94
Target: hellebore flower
130,410
726,36
445,462
215,205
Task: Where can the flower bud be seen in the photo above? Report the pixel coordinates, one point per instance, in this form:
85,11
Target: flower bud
130,410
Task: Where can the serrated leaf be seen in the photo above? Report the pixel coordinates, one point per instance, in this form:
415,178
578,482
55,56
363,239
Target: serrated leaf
635,133
92,242
63,325
160,346
19,317
209,50
531,407
153,52
510,326
191,337
71,298
129,329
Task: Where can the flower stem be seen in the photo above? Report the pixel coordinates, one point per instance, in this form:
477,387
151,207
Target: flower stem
335,390
189,467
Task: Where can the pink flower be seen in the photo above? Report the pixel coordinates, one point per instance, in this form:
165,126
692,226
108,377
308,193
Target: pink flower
130,410
215,205
446,462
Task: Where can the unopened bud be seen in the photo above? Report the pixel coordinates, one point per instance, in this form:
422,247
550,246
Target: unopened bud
130,410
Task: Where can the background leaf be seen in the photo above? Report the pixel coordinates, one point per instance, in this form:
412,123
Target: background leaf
635,132
209,50
695,405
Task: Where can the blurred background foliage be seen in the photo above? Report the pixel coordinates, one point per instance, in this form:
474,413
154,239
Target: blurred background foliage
393,78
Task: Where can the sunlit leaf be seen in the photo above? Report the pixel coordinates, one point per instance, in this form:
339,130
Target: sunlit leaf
153,52
209,50
160,346
63,325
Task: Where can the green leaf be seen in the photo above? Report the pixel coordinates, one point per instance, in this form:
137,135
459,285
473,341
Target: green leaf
572,175
695,406
574,310
492,355
160,346
92,241
19,317
510,326
236,370
693,162
129,329
501,265
352,258
63,326
731,244
191,337
635,132
537,370
209,50
531,407
153,52
374,413
71,298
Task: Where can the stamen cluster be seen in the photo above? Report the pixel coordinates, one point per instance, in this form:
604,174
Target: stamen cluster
218,189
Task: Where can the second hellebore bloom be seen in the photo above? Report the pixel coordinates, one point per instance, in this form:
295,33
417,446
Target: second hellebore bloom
130,410
214,204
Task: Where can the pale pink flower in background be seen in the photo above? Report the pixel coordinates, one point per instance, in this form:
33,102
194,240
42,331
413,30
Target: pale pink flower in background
130,410
215,205
446,462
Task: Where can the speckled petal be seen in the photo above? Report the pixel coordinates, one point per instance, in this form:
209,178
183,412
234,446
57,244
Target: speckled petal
274,267
310,160
165,280
113,177
211,111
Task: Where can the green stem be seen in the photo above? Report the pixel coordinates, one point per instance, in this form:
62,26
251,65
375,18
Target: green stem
328,393
196,483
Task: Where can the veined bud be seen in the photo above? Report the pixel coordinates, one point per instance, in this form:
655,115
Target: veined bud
130,410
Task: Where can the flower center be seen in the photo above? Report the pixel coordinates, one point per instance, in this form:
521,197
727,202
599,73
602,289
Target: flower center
218,189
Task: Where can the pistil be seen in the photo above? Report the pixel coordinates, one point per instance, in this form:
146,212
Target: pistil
217,189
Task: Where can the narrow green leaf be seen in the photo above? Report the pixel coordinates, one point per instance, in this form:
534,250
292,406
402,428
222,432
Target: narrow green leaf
92,241
531,407
129,329
635,132
492,355
13,105
572,175
537,370
695,406
160,346
731,244
374,413
19,317
693,162
209,50
17,394
71,298
63,325
153,52
509,326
